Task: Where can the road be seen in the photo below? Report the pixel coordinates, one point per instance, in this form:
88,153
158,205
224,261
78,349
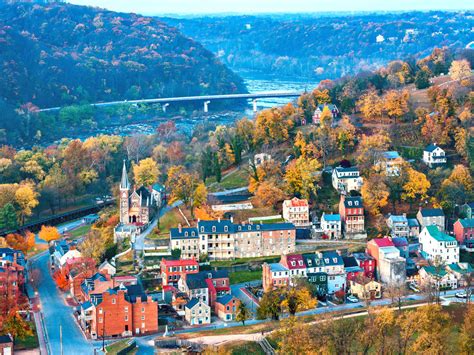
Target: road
57,313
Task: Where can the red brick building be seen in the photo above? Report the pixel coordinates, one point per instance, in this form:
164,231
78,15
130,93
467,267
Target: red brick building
226,307
376,243
464,232
274,276
367,263
121,311
12,283
171,270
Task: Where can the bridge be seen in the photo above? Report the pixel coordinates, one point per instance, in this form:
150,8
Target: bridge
205,99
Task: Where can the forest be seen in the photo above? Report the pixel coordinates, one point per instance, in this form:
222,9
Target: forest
327,45
61,54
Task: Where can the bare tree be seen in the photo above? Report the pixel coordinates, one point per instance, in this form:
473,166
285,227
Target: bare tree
396,291
468,280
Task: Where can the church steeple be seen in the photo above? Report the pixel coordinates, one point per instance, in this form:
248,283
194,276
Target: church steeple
124,183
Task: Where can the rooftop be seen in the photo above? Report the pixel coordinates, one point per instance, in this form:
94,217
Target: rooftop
435,233
432,212
382,242
391,155
467,222
432,147
225,299
398,219
331,217
296,202
277,267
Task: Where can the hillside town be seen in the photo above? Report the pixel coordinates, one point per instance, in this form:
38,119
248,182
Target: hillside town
346,212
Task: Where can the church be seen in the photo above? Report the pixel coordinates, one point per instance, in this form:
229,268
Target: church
137,205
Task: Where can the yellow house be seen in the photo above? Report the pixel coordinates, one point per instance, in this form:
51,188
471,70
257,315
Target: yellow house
366,289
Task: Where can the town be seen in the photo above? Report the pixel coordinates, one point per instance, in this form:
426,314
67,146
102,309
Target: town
341,220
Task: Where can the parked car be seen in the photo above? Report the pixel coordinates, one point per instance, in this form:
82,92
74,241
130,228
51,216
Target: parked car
461,294
352,299
414,287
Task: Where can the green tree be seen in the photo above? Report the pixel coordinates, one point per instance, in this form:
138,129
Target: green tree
270,306
243,313
8,219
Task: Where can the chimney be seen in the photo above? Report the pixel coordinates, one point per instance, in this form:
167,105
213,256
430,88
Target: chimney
180,228
219,220
231,219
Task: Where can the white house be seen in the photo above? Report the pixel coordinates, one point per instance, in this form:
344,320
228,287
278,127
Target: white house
433,155
391,163
438,278
398,225
296,211
379,39
331,225
197,312
346,179
261,158
436,245
108,268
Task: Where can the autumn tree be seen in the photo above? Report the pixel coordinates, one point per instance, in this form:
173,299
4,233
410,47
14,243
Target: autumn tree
93,246
431,320
61,280
416,186
49,233
268,194
298,299
460,69
17,241
370,149
269,171
8,217
16,326
271,127
370,105
301,177
199,197
146,172
269,306
345,135
375,194
26,199
243,313
466,336
396,103
462,138
295,337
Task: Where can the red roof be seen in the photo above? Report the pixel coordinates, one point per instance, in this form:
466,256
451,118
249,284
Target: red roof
185,262
296,202
295,262
383,242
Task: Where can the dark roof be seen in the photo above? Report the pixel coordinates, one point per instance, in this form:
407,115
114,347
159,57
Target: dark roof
362,256
349,261
192,302
195,281
432,212
332,258
232,198
353,201
135,292
303,233
4,339
124,183
312,260
225,299
430,148
184,234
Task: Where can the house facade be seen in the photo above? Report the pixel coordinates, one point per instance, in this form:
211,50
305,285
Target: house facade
390,163
171,270
437,245
319,110
274,276
222,239
367,263
197,312
434,156
226,307
438,278
345,180
351,211
295,264
464,233
334,268
331,225
364,288
398,225
296,211
431,216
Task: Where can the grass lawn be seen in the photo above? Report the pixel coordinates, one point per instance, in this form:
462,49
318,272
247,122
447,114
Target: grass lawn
114,348
81,231
238,178
239,261
244,276
28,343
241,348
167,221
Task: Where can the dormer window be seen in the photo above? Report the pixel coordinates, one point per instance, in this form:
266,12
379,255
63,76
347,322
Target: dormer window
226,229
349,203
213,228
192,234
185,234
334,260
326,260
249,227
202,229
258,227
293,263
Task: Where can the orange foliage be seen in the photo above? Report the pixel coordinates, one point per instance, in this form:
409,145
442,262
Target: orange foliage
16,241
61,280
113,220
49,233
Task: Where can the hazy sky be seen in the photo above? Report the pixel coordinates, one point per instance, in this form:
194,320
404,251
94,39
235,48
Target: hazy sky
150,7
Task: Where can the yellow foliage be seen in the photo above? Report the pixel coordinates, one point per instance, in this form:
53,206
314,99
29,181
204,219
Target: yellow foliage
146,172
49,233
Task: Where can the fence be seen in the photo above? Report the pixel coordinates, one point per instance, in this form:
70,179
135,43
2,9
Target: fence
130,347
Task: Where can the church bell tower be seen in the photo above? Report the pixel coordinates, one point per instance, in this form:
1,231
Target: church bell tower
124,192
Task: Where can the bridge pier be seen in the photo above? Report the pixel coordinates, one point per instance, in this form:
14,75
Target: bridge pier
254,102
164,107
206,106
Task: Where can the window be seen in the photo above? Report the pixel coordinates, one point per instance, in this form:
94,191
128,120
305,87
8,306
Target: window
143,317
143,309
126,318
126,309
113,301
213,228
226,229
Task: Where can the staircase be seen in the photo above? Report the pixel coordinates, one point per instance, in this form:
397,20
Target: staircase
266,346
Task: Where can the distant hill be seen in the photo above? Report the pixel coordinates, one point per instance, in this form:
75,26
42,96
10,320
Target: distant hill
61,54
325,46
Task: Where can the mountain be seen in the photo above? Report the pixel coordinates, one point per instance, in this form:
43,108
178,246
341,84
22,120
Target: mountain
325,46
59,54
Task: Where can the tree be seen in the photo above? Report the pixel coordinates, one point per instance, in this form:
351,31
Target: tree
371,105
271,127
460,69
326,118
345,135
8,219
61,280
296,338
396,291
16,326
416,187
49,233
29,240
300,177
396,103
268,194
422,79
176,254
17,241
375,194
146,172
270,306
26,199
370,149
199,197
431,320
93,246
461,142
466,336
243,313
298,299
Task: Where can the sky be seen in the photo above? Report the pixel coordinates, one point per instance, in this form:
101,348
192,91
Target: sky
184,7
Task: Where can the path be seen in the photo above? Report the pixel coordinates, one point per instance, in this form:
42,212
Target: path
237,292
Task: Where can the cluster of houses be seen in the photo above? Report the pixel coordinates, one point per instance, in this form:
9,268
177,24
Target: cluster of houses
417,250
197,295
109,305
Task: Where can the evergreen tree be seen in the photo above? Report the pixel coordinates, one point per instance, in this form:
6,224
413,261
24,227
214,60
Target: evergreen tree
8,218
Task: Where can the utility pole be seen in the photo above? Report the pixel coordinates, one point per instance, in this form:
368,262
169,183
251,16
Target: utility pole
61,339
103,334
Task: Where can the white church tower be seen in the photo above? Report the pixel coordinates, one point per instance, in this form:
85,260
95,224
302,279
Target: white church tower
124,193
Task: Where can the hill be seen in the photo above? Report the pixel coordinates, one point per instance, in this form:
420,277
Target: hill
61,54
325,46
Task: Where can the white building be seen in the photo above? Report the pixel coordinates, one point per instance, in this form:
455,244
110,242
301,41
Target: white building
392,267
391,163
398,225
331,225
438,246
438,278
379,39
433,155
261,158
296,211
431,217
197,312
346,179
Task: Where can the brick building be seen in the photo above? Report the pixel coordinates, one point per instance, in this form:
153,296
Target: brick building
119,311
226,307
223,239
351,210
296,211
171,270
464,233
274,275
